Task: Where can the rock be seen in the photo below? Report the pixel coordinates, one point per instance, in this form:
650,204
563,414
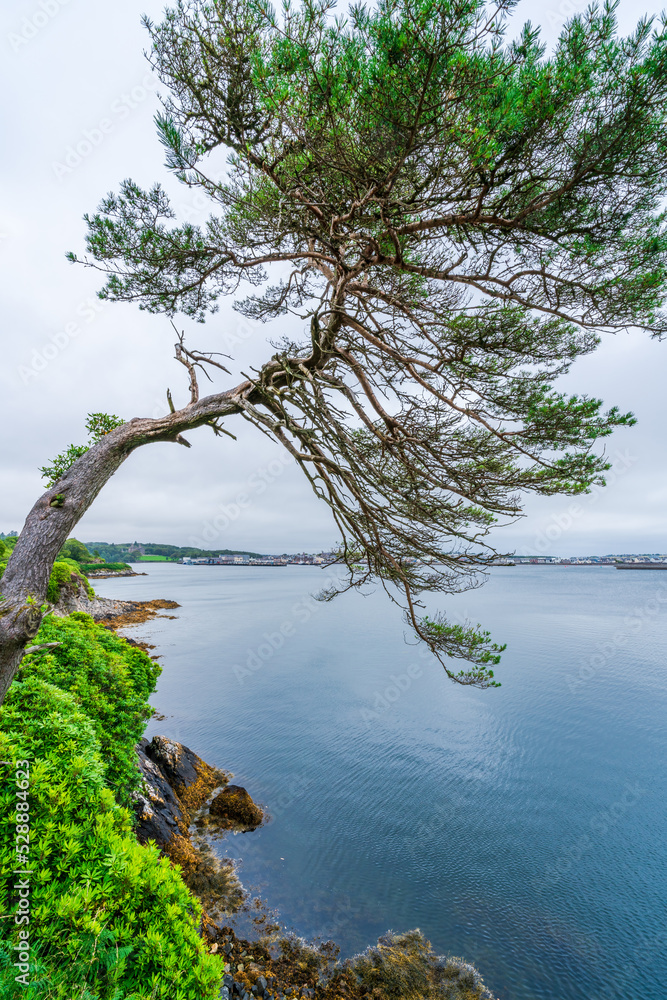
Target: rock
234,806
211,934
176,783
174,773
158,811
224,993
177,762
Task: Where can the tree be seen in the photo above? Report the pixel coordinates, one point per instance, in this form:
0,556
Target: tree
452,217
74,549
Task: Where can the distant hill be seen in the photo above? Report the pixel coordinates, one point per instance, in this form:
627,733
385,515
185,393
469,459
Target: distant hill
133,551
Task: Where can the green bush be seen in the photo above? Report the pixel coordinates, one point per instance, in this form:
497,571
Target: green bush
65,573
111,681
110,920
74,549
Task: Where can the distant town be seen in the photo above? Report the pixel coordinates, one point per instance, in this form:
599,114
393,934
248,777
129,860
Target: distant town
324,558
286,559
135,552
612,560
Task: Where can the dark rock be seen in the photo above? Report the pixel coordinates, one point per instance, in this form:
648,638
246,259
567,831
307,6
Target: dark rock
157,810
233,805
179,764
228,980
211,932
176,782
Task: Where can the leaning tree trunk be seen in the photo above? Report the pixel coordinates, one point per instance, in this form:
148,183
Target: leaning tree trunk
50,522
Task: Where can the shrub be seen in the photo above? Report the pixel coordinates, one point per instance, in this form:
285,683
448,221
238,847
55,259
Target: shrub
66,574
74,549
111,681
110,920
108,914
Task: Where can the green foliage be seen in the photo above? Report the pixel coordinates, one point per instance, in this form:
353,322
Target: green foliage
464,641
97,425
103,567
61,463
65,573
111,920
120,552
7,544
74,549
111,681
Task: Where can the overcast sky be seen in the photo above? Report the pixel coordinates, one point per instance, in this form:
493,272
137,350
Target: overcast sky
75,76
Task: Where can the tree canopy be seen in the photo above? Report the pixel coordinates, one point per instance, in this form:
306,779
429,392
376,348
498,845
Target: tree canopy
451,219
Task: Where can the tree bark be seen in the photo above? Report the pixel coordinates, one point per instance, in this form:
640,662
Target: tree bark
52,519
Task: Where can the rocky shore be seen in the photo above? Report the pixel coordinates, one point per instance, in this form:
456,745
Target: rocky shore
112,613
109,574
182,801
178,791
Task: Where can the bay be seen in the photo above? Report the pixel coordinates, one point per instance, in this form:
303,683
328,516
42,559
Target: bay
522,828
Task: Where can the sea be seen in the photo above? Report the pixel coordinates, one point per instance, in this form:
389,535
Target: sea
523,828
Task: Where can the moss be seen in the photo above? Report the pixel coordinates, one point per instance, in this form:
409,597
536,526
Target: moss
65,576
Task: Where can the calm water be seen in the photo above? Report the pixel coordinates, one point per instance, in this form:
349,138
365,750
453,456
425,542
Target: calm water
523,827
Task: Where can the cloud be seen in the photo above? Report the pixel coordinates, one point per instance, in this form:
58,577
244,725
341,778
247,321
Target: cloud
81,98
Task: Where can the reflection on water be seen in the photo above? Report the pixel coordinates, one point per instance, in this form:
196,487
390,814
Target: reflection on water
522,828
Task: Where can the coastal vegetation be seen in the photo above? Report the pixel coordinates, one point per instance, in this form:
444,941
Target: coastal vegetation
449,220
115,919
